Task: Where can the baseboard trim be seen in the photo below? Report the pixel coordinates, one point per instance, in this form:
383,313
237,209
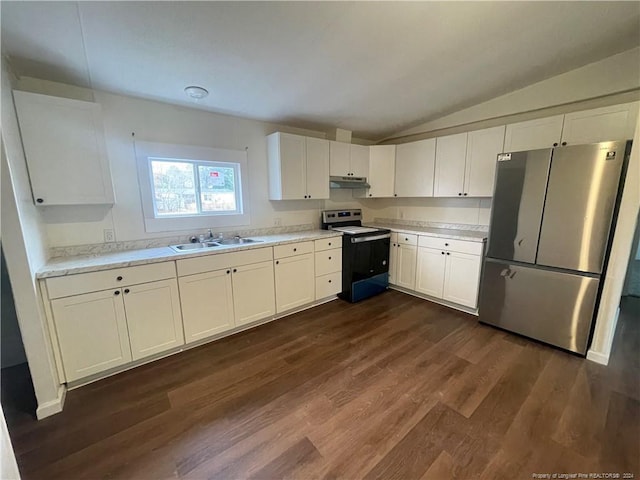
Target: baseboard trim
603,357
598,357
439,301
52,407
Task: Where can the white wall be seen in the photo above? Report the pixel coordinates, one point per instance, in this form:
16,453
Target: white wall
611,76
159,122
25,253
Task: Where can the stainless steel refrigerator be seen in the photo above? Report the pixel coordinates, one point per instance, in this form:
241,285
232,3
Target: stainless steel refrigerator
552,214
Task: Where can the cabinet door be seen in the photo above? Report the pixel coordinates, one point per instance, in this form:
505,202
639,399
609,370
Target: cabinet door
483,147
534,134
382,161
295,282
207,304
154,318
450,161
317,168
287,166
406,266
462,278
393,258
430,271
253,292
360,160
415,163
92,332
600,125
65,150
339,161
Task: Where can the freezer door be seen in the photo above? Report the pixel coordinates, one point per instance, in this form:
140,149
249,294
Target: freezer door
583,185
518,201
550,306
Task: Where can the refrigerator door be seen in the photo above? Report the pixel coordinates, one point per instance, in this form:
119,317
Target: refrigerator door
550,306
518,201
583,185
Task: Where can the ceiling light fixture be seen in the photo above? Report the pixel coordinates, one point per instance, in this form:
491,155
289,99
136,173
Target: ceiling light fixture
196,92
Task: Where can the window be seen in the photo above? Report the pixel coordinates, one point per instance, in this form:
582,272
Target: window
190,187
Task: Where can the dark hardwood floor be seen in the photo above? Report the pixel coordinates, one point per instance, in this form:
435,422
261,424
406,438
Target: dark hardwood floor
394,387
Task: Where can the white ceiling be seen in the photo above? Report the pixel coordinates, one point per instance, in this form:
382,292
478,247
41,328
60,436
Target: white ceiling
370,67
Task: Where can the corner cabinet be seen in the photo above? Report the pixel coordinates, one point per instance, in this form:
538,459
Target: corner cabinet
298,167
414,168
65,150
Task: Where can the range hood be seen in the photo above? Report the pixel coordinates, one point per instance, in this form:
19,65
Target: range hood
348,182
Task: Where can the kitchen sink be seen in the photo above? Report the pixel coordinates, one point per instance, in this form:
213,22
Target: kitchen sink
237,241
187,247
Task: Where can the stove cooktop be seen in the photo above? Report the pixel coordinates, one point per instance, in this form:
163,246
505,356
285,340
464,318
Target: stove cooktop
354,230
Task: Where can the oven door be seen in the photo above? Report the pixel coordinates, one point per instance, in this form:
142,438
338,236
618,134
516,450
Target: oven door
369,256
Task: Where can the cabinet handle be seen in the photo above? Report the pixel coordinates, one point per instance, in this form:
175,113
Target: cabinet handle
329,258
39,200
465,194
447,253
446,244
277,262
555,144
329,281
119,278
117,292
370,194
564,143
406,239
395,194
329,243
460,194
126,290
308,196
235,270
228,272
295,249
442,253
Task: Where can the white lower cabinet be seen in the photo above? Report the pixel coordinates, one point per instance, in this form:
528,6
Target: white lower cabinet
393,258
207,304
253,292
461,278
295,281
153,317
92,332
448,274
430,272
328,267
405,274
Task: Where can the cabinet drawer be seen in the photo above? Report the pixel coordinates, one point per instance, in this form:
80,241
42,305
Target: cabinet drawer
328,261
327,285
104,280
328,243
292,249
462,246
209,263
407,238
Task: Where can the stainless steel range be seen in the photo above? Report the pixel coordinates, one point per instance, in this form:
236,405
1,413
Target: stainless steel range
365,254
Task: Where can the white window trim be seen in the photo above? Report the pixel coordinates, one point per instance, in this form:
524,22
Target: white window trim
146,150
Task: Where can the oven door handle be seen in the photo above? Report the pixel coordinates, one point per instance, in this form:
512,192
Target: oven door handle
370,238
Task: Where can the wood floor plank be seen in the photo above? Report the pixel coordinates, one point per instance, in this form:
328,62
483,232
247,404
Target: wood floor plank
393,387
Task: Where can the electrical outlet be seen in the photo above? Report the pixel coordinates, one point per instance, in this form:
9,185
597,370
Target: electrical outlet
109,235
277,222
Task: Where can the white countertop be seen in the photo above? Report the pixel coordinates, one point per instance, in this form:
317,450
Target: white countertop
452,233
60,266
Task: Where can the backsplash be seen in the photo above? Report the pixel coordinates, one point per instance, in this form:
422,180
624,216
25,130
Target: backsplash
102,248
420,223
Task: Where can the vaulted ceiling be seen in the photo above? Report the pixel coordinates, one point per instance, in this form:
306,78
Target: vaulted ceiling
370,67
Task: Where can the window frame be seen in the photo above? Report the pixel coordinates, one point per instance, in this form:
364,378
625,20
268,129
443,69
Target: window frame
195,155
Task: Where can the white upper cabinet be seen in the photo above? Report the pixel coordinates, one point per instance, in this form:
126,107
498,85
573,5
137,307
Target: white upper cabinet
317,172
65,150
616,122
533,134
451,153
382,160
359,160
348,160
414,170
298,167
483,147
